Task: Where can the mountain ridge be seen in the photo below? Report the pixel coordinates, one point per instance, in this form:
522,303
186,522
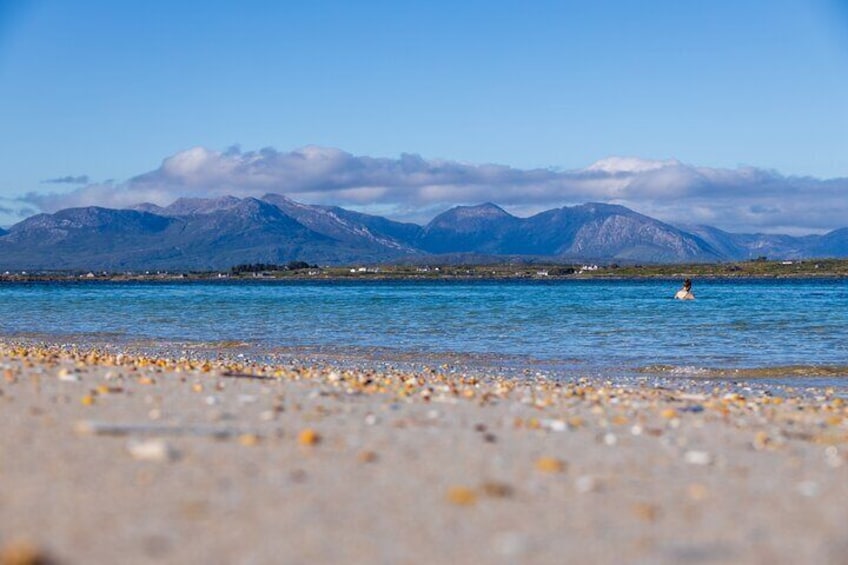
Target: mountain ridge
217,233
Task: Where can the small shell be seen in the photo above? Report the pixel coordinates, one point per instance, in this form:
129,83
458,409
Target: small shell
155,450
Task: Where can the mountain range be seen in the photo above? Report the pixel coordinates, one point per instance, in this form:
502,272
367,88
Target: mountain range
214,234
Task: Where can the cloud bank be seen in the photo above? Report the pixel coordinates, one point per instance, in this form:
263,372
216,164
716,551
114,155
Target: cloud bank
745,199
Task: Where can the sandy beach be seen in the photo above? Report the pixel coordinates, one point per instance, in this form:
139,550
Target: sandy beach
109,457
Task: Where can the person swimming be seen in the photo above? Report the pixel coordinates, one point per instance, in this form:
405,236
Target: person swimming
685,293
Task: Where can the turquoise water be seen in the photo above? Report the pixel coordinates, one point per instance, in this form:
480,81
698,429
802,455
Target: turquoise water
768,328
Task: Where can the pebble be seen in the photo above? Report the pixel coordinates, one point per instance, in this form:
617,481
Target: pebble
646,511
461,496
550,465
555,425
68,376
832,457
761,441
155,450
586,484
697,492
367,457
23,552
697,457
249,440
497,489
308,436
372,420
669,413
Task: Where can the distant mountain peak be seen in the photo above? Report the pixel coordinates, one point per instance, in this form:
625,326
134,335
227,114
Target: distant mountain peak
344,225
274,198
194,206
487,210
603,207
146,207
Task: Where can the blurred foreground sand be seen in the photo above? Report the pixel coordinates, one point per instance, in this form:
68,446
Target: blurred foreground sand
120,459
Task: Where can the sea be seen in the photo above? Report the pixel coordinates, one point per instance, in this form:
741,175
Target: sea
791,332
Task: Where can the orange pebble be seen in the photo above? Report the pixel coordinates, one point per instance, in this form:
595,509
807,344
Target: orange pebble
248,440
22,553
308,437
461,496
367,457
550,465
646,511
575,421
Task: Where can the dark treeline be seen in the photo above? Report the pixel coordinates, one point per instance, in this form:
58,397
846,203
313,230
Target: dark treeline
269,267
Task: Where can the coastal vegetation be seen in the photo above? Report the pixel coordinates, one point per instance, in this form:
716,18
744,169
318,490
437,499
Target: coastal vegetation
758,268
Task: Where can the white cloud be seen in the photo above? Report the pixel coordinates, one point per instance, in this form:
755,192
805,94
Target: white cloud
629,165
410,187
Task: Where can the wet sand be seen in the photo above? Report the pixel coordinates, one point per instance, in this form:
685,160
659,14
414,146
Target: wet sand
116,458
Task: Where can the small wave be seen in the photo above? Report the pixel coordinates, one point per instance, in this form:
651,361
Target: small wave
687,370
777,372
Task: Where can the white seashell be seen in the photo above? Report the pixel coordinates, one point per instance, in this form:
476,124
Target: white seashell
155,450
697,458
68,376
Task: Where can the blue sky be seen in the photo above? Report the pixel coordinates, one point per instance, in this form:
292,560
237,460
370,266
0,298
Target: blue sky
97,91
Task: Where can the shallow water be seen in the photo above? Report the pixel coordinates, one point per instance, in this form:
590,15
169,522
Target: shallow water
791,330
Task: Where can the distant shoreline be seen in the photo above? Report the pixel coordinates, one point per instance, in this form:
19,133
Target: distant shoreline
758,269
